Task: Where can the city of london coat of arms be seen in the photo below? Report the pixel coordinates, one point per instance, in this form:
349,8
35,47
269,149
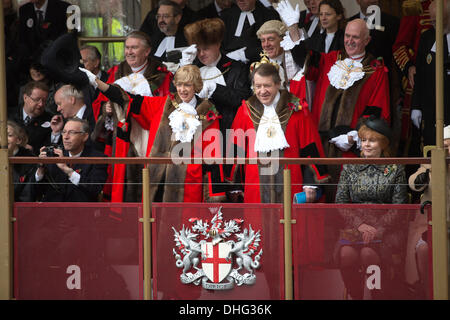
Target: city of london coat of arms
224,257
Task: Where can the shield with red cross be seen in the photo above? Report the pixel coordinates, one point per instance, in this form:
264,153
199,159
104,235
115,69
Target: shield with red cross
216,266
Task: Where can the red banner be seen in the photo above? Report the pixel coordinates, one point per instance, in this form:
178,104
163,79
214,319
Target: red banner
217,251
77,251
361,252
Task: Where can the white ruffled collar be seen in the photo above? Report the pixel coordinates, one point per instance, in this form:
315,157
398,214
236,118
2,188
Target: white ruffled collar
184,121
344,73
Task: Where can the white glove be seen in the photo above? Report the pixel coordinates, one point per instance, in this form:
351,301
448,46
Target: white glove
354,135
208,89
416,117
171,66
287,43
238,55
342,142
289,15
188,55
92,77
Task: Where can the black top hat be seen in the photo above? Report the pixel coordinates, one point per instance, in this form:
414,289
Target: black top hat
62,60
379,125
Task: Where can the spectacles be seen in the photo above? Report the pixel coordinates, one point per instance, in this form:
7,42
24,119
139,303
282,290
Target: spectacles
37,100
72,132
164,16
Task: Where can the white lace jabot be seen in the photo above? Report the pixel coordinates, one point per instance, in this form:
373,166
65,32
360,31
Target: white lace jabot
270,135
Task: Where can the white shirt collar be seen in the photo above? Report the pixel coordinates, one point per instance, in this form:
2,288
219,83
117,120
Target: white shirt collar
218,9
43,8
26,114
138,68
359,56
193,102
75,155
80,112
362,16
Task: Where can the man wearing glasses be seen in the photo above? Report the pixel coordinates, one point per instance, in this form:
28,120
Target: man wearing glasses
170,34
65,182
33,117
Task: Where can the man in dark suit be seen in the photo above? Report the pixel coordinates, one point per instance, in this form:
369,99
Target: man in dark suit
214,9
170,34
71,183
92,60
424,97
40,21
70,103
150,24
382,36
33,117
242,20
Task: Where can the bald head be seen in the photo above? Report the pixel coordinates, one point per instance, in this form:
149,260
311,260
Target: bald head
356,38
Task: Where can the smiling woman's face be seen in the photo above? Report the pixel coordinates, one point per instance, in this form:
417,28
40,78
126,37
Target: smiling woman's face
186,91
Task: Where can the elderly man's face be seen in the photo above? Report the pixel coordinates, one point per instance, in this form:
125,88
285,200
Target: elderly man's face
136,53
265,89
89,64
246,5
34,104
65,105
356,38
73,137
271,44
364,4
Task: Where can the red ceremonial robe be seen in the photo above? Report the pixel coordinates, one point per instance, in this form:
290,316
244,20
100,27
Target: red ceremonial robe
301,135
159,79
304,142
180,182
369,95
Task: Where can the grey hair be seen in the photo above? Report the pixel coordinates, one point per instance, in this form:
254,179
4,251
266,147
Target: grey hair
70,91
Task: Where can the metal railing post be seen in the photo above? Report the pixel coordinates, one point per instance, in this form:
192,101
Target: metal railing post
5,180
439,169
147,233
287,205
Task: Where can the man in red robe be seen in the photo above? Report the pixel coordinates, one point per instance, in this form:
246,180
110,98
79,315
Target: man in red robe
132,142
273,123
349,85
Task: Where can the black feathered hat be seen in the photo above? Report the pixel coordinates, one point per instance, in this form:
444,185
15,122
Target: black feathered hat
62,59
379,125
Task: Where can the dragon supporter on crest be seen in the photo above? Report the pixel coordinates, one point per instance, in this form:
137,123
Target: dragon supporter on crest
176,124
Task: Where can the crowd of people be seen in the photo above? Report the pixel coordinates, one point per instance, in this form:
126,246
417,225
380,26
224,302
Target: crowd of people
245,77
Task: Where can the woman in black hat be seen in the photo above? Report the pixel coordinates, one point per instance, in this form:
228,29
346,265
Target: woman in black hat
368,237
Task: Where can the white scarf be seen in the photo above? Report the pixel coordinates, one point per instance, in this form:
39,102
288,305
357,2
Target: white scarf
240,25
135,83
184,121
344,73
270,136
212,73
167,44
